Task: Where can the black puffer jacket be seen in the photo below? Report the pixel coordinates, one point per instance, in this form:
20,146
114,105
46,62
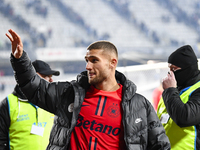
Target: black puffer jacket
5,119
57,98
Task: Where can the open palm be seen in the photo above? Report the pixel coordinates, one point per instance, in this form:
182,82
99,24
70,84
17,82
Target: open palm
17,45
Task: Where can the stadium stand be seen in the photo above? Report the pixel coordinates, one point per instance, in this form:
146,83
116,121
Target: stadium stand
188,16
141,30
101,17
80,22
169,30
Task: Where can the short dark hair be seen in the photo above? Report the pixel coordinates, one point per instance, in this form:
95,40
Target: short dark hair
105,45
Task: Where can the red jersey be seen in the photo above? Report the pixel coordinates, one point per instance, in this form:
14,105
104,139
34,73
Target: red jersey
99,125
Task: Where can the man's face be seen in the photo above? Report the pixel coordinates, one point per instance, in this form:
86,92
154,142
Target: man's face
173,67
46,77
97,66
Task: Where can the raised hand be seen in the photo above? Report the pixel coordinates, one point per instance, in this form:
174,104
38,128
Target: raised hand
17,45
169,81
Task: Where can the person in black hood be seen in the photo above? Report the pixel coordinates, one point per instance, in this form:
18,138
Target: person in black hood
186,60
179,107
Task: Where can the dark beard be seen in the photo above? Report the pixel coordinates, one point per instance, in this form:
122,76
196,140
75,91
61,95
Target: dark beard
97,80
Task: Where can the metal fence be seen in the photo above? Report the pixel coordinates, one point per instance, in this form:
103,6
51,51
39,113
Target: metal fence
146,78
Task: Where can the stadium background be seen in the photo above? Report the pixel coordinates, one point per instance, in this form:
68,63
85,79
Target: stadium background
59,31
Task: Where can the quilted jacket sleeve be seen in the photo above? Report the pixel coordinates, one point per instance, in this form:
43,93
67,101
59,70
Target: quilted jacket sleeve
157,138
183,115
38,91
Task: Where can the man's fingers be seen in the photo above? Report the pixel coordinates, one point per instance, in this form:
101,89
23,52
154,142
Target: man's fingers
164,79
14,34
17,45
10,38
172,74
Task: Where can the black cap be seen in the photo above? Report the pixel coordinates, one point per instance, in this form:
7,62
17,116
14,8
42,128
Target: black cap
183,57
43,68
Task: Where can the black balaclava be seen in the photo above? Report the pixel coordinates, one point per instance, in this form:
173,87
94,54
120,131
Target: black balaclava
185,58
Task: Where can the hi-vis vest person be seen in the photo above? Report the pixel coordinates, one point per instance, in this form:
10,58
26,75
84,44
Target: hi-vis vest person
30,125
180,138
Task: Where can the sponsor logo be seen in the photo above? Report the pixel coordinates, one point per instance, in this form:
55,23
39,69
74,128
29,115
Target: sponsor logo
97,127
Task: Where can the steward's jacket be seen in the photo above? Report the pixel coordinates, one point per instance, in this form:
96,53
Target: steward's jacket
18,119
183,112
180,138
64,99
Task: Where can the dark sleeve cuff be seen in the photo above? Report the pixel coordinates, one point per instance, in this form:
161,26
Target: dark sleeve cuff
17,63
169,92
23,69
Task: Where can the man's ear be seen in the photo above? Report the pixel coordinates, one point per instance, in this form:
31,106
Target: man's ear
113,63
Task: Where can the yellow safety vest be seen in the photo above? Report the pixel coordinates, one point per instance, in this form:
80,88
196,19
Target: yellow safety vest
180,138
23,116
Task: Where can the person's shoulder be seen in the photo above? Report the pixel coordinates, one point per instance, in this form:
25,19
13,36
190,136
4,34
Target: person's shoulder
140,102
129,86
4,100
138,95
139,98
4,103
196,92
